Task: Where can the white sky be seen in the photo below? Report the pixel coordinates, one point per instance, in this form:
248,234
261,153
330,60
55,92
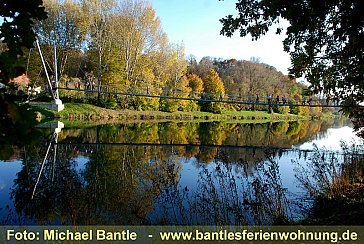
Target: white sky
196,24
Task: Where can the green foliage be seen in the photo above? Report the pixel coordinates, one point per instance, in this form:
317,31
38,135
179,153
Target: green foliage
356,112
281,109
115,74
18,20
293,128
16,31
169,105
295,110
300,110
295,89
145,103
192,106
109,103
304,110
324,40
213,107
315,111
182,91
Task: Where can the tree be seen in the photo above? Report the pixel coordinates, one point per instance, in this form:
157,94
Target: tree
213,84
177,86
204,66
96,25
325,40
61,28
139,33
17,17
162,61
192,65
179,65
195,82
214,89
181,90
142,47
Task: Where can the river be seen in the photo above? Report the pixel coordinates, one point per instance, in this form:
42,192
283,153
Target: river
165,173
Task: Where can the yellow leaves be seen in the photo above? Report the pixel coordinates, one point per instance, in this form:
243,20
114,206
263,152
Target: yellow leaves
213,84
125,44
195,83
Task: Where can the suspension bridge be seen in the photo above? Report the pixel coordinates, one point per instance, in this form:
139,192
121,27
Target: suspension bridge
119,93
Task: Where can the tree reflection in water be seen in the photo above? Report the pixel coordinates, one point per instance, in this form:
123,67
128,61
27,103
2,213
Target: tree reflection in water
226,195
126,185
96,181
334,185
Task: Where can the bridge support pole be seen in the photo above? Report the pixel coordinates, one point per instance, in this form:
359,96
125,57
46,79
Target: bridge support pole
56,103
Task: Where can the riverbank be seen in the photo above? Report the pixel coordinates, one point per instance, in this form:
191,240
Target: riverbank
345,208
337,190
82,112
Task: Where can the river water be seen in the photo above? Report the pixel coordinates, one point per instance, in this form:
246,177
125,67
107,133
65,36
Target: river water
165,173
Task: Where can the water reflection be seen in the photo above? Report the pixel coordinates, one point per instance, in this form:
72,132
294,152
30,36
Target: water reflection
225,195
333,183
141,174
333,140
56,128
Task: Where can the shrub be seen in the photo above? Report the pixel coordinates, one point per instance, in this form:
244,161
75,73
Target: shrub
212,107
109,103
281,109
169,105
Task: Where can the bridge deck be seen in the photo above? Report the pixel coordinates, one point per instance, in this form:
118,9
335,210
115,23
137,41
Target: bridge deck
200,97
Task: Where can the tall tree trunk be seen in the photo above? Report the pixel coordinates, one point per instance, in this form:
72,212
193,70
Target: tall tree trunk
99,76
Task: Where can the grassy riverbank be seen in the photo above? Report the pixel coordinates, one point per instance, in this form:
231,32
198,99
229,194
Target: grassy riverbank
344,208
82,112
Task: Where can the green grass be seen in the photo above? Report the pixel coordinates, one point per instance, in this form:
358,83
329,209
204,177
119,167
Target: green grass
79,108
248,113
80,111
328,115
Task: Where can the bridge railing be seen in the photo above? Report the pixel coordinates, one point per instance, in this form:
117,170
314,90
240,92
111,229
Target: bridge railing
90,90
